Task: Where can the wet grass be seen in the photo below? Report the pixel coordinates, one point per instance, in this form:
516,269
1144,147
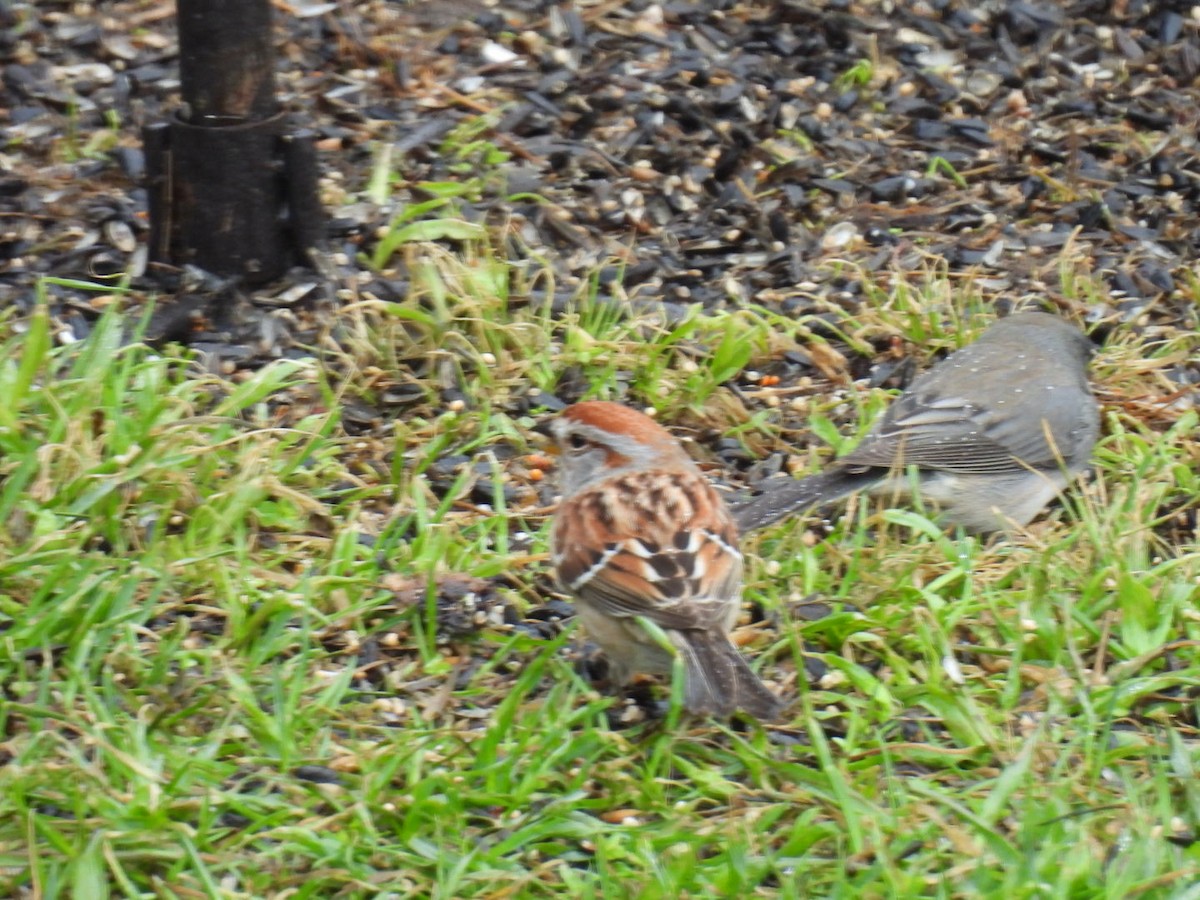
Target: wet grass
219,681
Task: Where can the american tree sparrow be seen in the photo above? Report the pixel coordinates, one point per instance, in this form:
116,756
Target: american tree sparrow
641,532
994,432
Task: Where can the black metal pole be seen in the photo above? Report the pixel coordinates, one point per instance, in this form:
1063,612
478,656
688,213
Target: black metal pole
226,60
226,192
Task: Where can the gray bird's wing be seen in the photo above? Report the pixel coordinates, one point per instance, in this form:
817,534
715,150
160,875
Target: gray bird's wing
987,409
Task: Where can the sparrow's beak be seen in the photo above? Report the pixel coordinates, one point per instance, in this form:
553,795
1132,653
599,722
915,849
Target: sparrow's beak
544,437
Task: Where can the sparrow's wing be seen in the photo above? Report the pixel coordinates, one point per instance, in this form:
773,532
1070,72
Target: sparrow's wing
654,544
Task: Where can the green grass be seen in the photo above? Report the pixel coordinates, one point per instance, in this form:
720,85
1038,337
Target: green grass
233,663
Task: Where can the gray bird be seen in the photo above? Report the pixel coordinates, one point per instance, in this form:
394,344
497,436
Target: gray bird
994,432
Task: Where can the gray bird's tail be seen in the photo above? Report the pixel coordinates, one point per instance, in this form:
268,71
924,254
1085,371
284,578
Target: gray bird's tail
784,496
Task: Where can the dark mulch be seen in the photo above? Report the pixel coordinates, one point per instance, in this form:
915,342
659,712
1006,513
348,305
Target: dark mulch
795,155
713,152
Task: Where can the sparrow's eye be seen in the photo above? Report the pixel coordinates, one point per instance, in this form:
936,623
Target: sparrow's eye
577,442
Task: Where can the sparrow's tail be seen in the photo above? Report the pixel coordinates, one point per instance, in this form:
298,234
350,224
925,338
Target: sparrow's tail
718,680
